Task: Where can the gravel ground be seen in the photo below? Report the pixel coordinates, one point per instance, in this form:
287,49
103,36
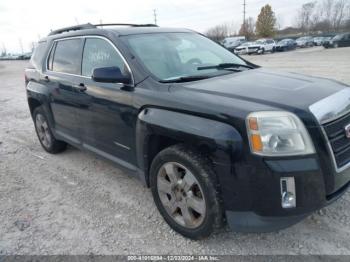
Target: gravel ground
75,203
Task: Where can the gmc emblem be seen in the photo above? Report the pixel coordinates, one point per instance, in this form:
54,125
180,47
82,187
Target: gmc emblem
347,131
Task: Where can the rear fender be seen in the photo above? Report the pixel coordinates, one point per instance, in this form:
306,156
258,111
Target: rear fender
41,94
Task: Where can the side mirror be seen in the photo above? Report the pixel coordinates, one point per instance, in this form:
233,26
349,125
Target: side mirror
110,75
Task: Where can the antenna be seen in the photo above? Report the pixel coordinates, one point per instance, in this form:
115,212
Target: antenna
155,16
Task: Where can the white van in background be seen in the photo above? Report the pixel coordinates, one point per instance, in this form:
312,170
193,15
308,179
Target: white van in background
232,42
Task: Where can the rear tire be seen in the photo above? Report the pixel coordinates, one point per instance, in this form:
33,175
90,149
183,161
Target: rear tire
184,189
44,133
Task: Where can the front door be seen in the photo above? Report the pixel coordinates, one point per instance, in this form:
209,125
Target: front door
108,117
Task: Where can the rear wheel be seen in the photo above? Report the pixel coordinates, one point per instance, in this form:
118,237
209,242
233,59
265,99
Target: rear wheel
184,190
43,130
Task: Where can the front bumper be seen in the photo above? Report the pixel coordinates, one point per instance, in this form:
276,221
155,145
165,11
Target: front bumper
241,51
258,204
250,222
255,50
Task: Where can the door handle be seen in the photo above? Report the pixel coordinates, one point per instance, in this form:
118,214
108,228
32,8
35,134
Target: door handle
46,79
81,87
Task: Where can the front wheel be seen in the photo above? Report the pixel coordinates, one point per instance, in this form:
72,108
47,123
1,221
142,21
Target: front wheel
43,130
184,190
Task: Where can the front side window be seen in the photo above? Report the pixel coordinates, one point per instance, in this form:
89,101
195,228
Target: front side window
99,53
67,56
172,55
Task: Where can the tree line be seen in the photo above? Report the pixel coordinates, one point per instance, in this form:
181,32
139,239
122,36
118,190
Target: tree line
313,17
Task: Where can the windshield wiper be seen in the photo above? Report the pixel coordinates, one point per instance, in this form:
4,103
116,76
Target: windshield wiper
224,66
185,79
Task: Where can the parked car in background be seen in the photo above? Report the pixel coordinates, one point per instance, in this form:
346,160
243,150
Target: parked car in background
25,56
318,41
285,45
305,41
9,57
326,40
231,43
341,40
261,46
243,48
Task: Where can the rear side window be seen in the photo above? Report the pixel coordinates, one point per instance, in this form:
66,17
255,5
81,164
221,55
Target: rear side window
99,53
38,55
67,56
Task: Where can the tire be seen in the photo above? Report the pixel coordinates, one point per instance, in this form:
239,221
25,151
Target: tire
336,45
44,133
179,169
273,50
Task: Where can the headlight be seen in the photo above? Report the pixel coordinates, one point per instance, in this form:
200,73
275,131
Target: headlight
278,133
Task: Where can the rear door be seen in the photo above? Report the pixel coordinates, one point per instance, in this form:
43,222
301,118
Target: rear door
62,75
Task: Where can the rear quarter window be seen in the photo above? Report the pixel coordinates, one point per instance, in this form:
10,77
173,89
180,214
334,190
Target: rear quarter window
38,55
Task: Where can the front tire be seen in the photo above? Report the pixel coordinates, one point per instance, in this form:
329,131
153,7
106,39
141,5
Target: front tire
44,133
184,189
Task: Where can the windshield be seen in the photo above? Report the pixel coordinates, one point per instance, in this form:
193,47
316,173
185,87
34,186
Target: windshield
303,38
174,55
284,41
338,37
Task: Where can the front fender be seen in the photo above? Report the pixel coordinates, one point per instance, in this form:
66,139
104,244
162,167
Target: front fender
219,141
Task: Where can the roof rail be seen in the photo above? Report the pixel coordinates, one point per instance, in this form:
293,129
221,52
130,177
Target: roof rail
72,28
91,26
123,24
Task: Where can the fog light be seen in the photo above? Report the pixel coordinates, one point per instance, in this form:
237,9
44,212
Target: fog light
288,195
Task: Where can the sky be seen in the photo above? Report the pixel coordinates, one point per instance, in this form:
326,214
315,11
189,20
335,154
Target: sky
23,22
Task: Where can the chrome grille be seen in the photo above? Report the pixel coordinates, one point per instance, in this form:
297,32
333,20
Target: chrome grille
338,141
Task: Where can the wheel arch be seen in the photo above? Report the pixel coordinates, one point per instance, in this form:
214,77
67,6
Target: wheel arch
33,103
157,129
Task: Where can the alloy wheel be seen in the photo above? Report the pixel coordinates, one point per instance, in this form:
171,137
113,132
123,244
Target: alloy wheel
43,130
181,195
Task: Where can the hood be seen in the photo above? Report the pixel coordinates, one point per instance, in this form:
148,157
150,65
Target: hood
275,89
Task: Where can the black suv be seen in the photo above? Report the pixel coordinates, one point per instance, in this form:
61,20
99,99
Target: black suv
217,139
341,40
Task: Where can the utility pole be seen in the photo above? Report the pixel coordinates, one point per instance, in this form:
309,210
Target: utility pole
244,22
21,45
155,16
3,51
